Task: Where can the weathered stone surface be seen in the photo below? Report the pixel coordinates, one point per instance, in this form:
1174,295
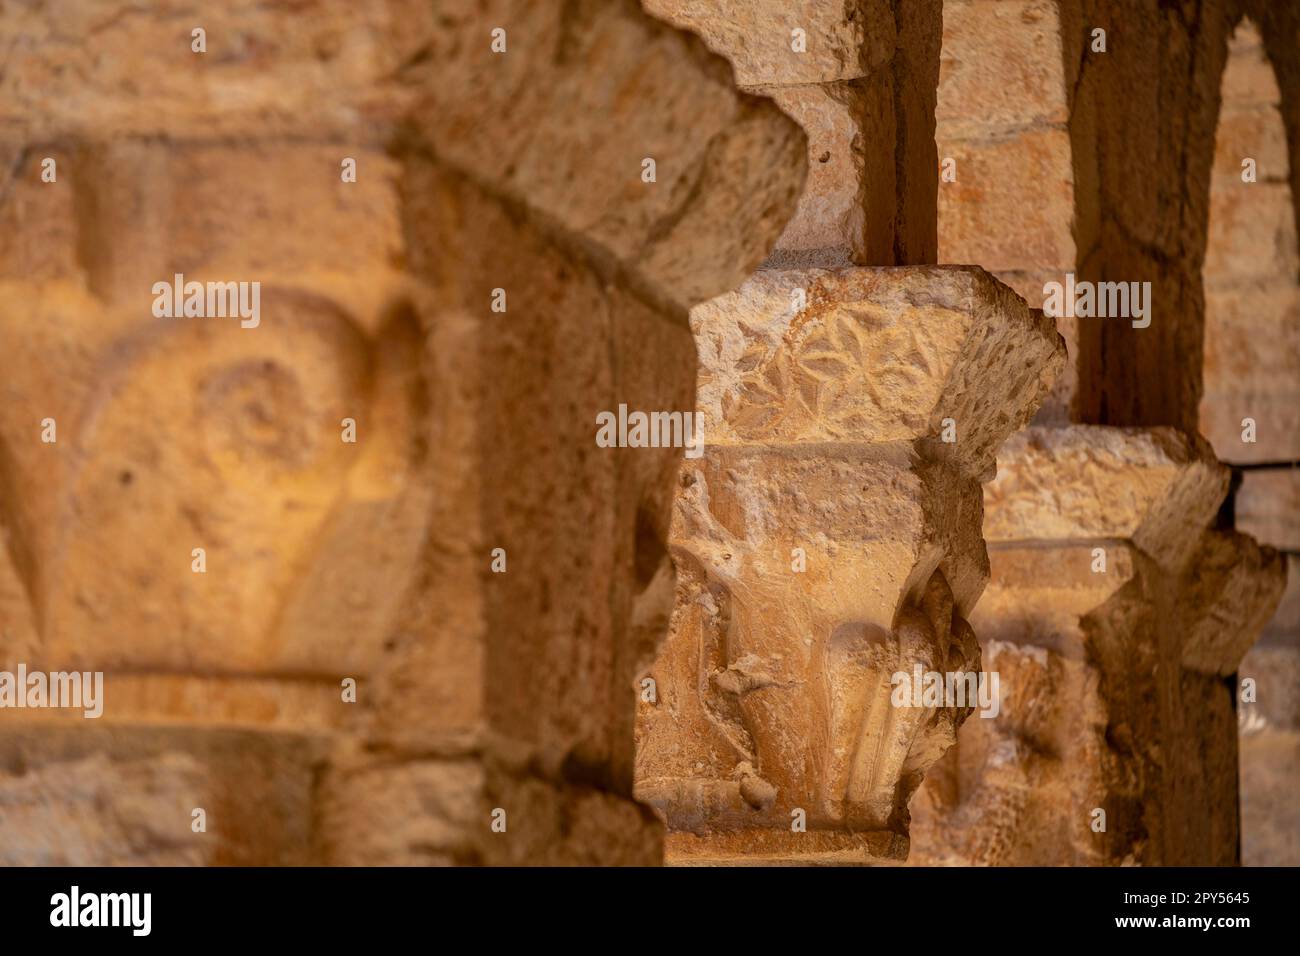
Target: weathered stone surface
1107,598
1017,790
1229,595
829,537
316,68
1252,347
1158,488
827,227
457,810
864,90
827,541
844,38
1000,68
1009,208
328,559
78,796
1006,199
873,356
693,233
735,744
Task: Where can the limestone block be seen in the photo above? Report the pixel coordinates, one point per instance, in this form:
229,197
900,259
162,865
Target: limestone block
1252,347
313,68
1270,820
844,39
414,812
1000,68
1252,233
1011,204
571,150
133,240
1039,594
1158,488
458,810
558,653
1267,506
77,796
872,356
827,225
558,824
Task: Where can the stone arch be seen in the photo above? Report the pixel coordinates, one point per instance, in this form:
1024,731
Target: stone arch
1252,269
1252,371
477,171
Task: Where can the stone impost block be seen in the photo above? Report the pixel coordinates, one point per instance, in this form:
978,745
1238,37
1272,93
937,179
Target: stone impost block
913,355
1157,488
1229,593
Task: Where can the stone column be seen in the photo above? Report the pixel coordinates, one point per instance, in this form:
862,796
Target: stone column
413,647
829,539
1036,96
1115,623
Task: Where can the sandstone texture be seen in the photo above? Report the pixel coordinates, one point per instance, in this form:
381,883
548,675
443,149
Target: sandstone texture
859,76
828,540
1252,270
1114,615
337,674
946,578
